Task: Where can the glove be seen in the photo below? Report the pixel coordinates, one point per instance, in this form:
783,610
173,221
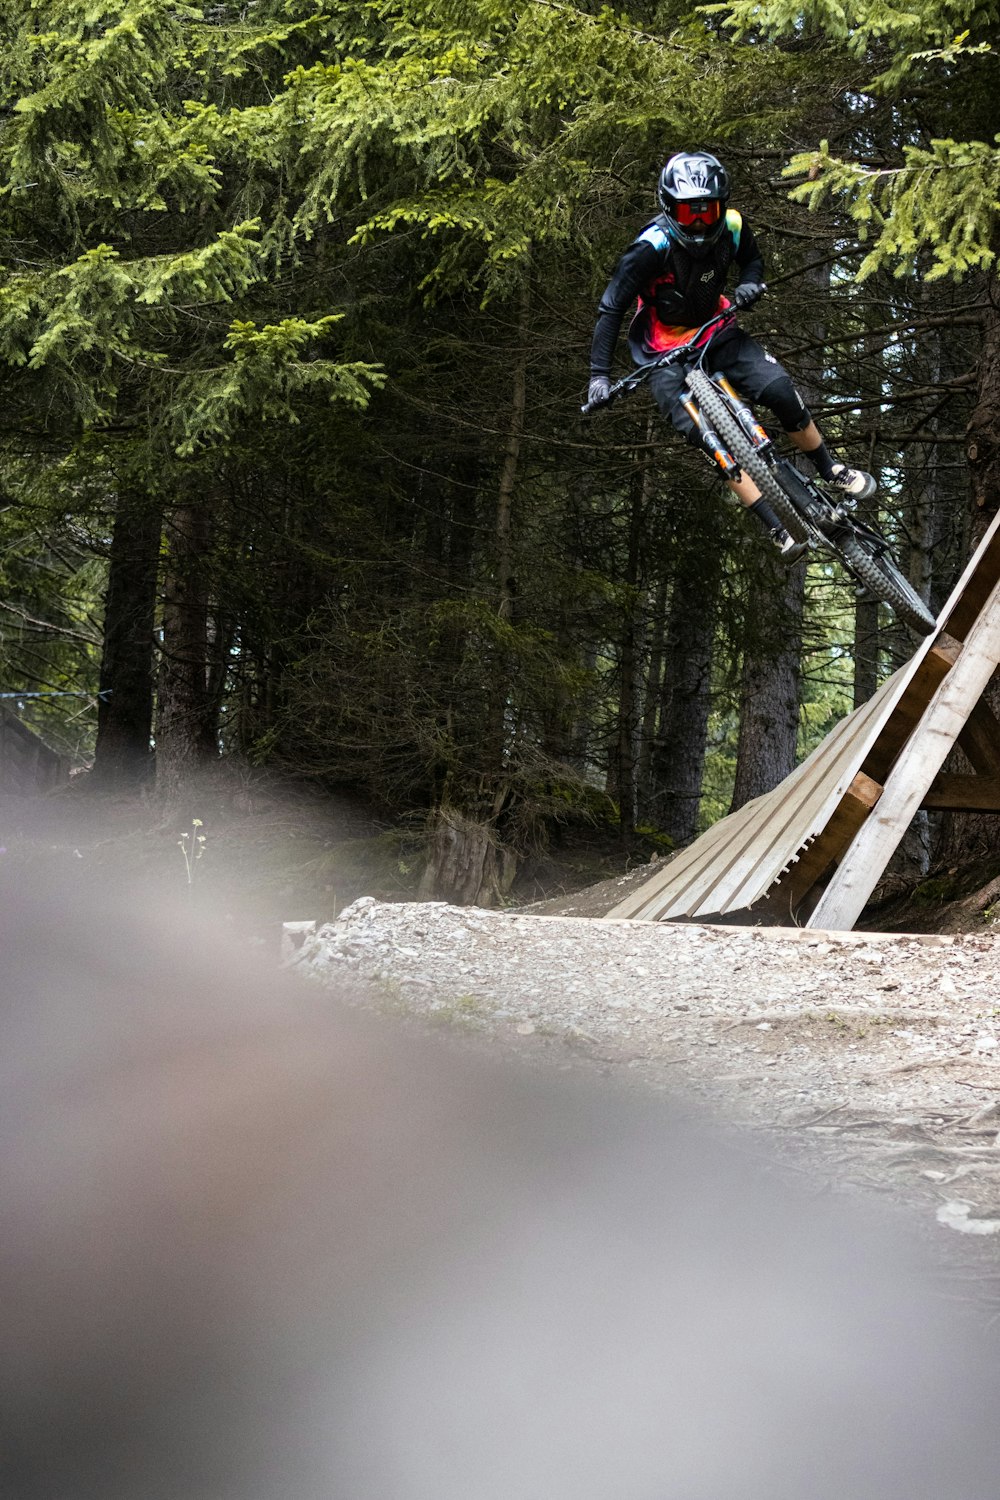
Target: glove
749,293
598,389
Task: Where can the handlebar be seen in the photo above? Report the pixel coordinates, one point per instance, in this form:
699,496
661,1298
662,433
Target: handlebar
589,407
629,382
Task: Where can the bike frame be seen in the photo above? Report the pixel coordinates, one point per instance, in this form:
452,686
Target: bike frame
828,522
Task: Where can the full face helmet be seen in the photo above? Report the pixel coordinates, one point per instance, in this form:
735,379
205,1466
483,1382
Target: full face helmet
693,191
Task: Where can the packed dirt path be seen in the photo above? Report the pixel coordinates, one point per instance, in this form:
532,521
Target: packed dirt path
873,1061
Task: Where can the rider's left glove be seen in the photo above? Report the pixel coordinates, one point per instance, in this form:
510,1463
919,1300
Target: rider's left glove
748,293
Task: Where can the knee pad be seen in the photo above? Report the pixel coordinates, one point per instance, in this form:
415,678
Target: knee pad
786,403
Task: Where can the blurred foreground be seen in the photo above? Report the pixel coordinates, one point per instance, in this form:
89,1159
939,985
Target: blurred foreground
257,1245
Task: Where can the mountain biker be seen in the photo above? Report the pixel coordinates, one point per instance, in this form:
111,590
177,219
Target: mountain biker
677,267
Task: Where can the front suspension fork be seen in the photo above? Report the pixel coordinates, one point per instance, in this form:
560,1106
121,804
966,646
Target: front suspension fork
710,438
711,441
743,414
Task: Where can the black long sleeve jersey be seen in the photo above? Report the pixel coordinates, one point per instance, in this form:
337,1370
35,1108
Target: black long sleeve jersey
677,292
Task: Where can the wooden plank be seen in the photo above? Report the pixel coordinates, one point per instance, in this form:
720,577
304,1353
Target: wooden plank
980,740
727,867
802,805
741,847
781,822
909,781
950,793
909,710
805,808
854,807
709,869
687,867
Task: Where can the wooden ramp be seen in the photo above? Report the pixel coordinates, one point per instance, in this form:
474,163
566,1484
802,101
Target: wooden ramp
810,852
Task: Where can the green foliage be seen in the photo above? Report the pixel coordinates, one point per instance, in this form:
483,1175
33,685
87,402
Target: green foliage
269,374
126,220
940,196
50,602
285,268
944,198
859,26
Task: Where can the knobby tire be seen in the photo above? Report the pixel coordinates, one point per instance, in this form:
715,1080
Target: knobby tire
750,461
881,577
877,572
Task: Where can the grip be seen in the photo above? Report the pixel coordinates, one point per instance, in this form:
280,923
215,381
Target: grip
592,406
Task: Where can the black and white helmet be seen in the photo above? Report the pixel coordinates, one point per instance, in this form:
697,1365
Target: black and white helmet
693,191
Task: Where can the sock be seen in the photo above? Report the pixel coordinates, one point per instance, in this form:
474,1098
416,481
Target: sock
820,457
765,515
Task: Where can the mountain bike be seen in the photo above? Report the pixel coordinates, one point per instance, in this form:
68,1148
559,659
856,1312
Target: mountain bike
738,444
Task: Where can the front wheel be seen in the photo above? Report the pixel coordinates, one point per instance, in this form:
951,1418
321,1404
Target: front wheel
755,467
878,572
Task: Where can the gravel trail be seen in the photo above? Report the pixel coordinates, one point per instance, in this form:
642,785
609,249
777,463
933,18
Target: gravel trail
880,1051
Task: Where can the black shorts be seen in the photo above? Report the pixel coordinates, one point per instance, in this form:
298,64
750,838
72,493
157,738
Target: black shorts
756,374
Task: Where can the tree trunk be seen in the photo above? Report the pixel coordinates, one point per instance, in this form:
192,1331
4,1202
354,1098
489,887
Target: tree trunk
630,653
499,665
123,755
769,689
678,757
965,838
467,861
651,699
866,650
926,459
186,730
512,458
983,433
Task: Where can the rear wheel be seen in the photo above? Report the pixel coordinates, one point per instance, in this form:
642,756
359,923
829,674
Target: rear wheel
750,461
878,572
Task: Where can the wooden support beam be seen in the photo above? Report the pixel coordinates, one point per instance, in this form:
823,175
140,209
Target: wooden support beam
824,852
913,772
908,712
950,793
980,740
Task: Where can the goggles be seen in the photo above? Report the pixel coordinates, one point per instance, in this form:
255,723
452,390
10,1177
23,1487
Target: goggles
702,211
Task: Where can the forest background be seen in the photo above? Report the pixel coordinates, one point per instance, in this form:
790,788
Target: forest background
295,310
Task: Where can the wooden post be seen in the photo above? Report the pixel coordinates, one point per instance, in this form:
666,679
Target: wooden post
918,763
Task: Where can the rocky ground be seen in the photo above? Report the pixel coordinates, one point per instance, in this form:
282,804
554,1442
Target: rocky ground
871,1060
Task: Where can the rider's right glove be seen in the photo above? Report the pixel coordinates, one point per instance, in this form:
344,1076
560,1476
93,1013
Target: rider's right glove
749,293
598,389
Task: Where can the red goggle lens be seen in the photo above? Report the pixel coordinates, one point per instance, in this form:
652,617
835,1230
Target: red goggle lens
706,212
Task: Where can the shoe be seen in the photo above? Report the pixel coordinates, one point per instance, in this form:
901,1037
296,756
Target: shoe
790,549
853,482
